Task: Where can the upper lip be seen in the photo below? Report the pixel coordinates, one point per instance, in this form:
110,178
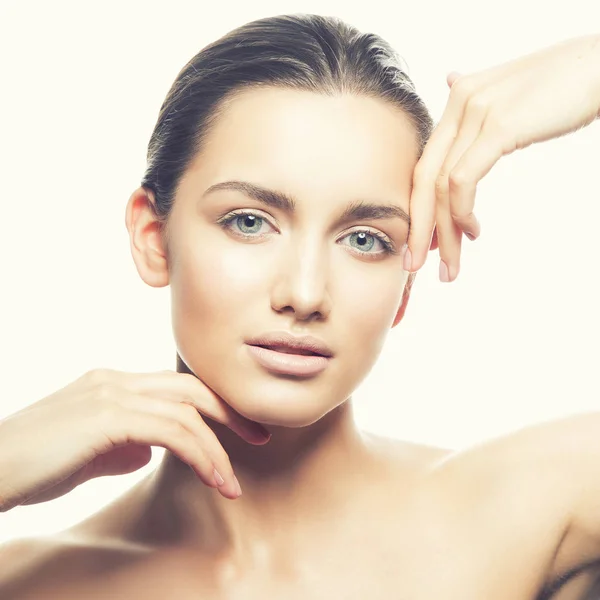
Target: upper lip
282,339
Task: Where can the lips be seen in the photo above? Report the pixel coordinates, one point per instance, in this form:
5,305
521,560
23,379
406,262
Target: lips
285,363
288,350
286,343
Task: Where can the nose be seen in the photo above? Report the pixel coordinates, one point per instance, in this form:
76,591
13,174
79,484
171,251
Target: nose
301,281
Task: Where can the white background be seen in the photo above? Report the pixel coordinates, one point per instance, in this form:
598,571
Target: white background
513,341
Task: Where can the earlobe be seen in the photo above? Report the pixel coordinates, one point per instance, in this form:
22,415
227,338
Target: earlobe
145,239
405,297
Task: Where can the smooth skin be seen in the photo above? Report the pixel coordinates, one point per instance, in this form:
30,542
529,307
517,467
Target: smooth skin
327,510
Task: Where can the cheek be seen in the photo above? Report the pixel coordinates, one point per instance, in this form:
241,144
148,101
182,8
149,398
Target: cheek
370,302
212,286
367,313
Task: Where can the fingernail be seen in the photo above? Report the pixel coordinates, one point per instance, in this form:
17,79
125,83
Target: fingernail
219,480
262,431
239,488
259,434
444,275
407,259
470,235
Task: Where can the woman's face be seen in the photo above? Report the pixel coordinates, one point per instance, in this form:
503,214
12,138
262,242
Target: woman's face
240,267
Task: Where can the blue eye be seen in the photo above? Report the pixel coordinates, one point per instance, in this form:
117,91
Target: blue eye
366,240
246,224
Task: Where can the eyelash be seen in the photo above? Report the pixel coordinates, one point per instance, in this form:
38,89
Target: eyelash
228,219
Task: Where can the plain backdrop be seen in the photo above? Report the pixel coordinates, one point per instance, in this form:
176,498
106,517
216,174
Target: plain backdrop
512,342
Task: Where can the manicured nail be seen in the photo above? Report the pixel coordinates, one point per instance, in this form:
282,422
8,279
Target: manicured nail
218,479
258,433
263,432
444,275
407,260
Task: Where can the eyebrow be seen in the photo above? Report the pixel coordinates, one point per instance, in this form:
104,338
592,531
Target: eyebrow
357,210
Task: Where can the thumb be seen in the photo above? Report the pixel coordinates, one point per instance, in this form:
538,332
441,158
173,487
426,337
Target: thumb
452,77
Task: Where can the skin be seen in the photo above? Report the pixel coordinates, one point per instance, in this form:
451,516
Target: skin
495,521
300,273
491,114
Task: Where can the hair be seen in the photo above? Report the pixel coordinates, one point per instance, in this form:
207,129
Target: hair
308,52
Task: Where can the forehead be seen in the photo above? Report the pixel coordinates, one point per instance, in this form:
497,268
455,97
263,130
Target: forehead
309,142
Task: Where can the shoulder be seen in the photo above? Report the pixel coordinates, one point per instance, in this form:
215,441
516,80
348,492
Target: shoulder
46,566
526,485
23,562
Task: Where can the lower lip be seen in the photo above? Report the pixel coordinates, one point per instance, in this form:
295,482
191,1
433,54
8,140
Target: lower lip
288,364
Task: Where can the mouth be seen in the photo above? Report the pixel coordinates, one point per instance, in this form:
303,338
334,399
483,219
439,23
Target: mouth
283,360
288,350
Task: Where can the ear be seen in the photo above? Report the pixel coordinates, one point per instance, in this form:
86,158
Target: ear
146,239
405,297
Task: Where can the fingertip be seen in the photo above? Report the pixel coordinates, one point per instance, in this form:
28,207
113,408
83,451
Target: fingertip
448,272
259,441
407,259
417,260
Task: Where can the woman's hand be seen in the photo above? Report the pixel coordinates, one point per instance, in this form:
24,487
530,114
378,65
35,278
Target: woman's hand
104,423
490,114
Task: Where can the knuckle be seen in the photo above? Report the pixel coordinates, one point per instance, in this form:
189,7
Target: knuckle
97,376
220,459
188,411
464,87
478,103
174,429
189,377
458,179
108,414
460,215
497,121
105,391
441,185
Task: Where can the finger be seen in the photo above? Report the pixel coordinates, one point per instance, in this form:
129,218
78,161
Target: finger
461,205
190,418
189,388
134,427
449,241
452,77
452,217
434,240
423,196
476,162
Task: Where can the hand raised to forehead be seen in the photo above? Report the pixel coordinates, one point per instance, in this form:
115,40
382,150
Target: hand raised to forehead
491,114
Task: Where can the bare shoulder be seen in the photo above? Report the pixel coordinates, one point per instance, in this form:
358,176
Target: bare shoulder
21,561
50,566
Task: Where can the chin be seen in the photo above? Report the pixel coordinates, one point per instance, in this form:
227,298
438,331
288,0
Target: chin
281,405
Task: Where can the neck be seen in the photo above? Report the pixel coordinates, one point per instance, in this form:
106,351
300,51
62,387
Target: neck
290,485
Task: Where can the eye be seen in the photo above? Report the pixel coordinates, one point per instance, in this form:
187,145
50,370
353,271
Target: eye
247,224
243,223
363,241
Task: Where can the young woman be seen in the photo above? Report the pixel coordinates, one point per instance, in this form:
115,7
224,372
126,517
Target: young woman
277,205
